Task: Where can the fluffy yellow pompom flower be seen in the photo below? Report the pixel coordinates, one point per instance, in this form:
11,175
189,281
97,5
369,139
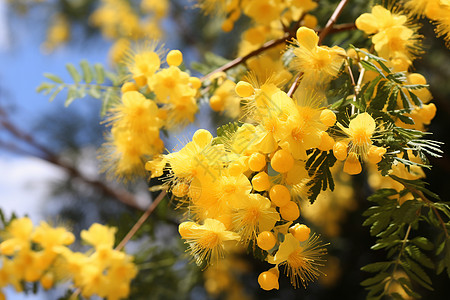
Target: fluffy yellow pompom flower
143,63
207,241
99,235
263,12
393,36
49,237
19,236
318,63
134,135
360,132
301,260
254,215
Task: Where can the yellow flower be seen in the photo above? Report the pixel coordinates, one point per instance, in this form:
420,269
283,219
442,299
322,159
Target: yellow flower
263,12
49,237
301,260
134,135
394,37
254,214
143,62
99,235
360,131
378,20
318,63
207,241
18,236
197,157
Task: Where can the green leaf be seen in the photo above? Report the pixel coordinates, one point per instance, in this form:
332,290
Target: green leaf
417,269
87,72
99,73
73,73
94,91
54,78
375,279
46,87
71,95
372,67
55,93
422,243
377,267
419,256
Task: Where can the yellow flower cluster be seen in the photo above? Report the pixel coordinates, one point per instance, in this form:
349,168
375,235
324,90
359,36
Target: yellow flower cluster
436,10
394,37
41,255
57,33
238,189
158,98
119,21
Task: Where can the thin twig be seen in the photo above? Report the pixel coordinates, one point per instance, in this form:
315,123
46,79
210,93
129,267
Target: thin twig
141,220
323,33
337,12
242,59
50,157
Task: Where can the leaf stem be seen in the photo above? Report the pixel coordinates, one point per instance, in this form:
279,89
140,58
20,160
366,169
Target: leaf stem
397,261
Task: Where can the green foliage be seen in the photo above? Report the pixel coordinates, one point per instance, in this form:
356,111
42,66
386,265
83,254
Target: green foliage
90,80
318,166
393,225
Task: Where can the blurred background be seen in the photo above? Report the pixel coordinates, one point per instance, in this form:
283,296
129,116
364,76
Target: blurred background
49,170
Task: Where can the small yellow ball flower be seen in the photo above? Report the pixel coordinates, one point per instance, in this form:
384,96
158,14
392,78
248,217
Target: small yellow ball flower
352,165
129,86
300,232
282,161
268,280
340,150
47,281
290,211
266,240
244,89
217,103
195,82
227,25
327,117
261,182
280,195
256,162
174,58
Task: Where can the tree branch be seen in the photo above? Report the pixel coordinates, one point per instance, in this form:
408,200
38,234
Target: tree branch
50,157
242,59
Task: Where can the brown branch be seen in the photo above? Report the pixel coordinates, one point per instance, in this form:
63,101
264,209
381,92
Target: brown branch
141,220
337,12
242,59
50,157
343,27
323,33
